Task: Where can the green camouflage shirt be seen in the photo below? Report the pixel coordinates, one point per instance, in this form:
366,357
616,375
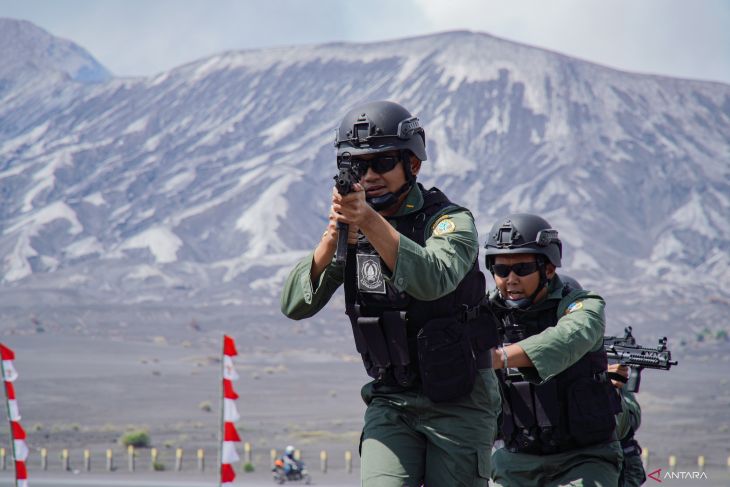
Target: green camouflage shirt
579,330
425,273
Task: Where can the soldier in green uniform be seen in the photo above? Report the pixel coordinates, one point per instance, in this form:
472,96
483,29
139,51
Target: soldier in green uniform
627,422
559,407
412,288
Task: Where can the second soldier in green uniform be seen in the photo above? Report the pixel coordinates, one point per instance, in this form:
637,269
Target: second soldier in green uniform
558,413
412,288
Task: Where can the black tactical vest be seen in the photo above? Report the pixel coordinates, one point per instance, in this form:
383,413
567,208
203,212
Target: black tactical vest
388,325
630,445
576,408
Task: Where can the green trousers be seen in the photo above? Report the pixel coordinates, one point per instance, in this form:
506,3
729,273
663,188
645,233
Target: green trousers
593,466
408,440
632,474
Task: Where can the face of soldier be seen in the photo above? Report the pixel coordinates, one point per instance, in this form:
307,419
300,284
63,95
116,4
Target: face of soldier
515,287
379,184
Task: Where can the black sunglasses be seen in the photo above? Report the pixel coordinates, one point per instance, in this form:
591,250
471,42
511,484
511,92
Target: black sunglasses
522,269
379,164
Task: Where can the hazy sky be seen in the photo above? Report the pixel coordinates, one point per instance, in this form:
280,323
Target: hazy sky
684,38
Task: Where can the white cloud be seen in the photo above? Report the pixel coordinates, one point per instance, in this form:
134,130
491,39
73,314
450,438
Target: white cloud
140,37
673,37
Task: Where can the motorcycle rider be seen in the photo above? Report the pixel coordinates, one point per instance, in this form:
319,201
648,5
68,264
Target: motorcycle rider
291,464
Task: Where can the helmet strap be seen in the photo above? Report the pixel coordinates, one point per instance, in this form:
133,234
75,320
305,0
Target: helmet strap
385,201
405,157
543,278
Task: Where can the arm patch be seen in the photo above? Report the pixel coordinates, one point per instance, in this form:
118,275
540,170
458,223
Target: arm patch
574,306
443,226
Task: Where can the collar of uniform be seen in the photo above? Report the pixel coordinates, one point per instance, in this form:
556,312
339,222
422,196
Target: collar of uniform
555,288
412,203
555,294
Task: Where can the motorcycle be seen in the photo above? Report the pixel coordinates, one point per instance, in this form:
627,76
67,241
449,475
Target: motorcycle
295,475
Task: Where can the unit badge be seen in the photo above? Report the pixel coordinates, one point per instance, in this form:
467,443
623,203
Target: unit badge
574,307
370,274
443,227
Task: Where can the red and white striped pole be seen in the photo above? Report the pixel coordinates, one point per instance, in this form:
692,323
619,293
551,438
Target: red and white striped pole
17,434
229,414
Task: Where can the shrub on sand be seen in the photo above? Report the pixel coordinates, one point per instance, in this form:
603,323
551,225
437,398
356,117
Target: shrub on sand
138,439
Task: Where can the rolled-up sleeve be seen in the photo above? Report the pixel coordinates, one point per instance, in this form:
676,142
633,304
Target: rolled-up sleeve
579,331
300,298
436,269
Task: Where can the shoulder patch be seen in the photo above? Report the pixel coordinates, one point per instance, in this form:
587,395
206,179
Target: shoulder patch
443,226
575,306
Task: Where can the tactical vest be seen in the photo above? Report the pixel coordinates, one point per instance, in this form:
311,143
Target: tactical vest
408,343
576,408
629,444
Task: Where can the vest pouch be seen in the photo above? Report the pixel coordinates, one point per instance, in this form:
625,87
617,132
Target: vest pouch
360,344
394,328
483,331
590,416
524,432
378,359
505,420
447,362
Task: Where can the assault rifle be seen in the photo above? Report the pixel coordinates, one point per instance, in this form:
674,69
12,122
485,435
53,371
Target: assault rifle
625,351
346,177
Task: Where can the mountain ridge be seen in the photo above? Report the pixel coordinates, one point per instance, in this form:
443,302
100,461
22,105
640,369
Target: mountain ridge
30,52
203,183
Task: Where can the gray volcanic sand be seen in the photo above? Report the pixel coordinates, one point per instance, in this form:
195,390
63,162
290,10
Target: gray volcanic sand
81,392
686,412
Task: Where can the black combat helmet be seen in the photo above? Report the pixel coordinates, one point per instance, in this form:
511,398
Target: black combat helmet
570,281
382,126
522,233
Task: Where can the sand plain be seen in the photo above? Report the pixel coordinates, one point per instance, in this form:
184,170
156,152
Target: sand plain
299,384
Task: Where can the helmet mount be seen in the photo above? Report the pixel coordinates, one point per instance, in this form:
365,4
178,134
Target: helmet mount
383,126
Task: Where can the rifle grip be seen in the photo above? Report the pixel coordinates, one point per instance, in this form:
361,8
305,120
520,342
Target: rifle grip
341,252
632,385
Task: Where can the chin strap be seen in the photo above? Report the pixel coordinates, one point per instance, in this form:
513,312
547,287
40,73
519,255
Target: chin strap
405,158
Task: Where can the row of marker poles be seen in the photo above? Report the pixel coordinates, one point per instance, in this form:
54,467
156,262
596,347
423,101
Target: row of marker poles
672,461
131,459
132,455
248,459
